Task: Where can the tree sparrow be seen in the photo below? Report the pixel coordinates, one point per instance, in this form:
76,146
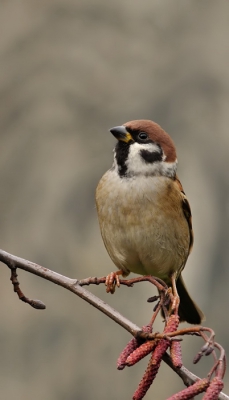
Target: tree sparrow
144,215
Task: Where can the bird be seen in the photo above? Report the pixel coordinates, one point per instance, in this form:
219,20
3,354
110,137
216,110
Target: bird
144,215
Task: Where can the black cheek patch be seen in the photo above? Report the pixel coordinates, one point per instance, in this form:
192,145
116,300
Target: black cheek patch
151,156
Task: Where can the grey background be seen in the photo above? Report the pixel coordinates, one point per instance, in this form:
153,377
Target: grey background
70,70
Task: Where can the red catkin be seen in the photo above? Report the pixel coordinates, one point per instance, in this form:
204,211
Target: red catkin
163,345
172,324
146,380
132,345
160,351
214,389
175,353
155,361
191,391
140,353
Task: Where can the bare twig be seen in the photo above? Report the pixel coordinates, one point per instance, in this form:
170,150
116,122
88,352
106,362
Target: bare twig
14,262
37,304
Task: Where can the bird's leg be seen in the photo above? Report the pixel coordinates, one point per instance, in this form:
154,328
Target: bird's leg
158,307
176,298
112,280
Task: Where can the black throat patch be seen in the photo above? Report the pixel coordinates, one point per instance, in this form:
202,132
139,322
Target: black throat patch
121,155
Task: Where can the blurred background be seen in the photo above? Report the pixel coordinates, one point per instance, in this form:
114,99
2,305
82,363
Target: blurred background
69,71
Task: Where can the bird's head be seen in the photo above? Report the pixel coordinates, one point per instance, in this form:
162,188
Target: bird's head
144,148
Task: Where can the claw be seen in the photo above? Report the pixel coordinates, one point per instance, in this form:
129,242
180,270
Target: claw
112,280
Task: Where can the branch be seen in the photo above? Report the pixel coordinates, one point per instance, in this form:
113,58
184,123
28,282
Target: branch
70,284
74,286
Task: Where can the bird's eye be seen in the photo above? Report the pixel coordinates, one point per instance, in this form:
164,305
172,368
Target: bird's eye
143,136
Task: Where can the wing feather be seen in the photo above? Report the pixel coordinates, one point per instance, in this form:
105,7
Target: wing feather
187,212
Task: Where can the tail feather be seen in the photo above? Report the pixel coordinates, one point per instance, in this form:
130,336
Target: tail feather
188,310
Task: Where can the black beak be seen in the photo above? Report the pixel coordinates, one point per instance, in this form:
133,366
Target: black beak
121,133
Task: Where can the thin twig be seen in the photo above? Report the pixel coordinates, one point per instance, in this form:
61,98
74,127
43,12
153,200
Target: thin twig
37,304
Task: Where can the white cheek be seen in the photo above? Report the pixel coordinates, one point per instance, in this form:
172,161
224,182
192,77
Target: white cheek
135,163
